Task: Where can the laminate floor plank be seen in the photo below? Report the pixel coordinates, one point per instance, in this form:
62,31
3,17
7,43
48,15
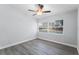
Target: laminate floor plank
39,47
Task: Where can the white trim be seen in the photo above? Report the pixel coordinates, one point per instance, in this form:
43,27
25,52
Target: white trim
78,50
59,42
6,46
35,38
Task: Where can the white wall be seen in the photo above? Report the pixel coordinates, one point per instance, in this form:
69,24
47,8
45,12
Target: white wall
78,32
70,29
15,27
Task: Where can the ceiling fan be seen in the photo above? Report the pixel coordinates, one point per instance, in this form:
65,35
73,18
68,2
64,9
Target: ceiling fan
39,10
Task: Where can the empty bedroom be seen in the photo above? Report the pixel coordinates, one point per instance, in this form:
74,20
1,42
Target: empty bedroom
39,29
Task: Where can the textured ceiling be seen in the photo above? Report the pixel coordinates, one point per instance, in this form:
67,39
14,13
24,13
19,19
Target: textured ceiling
55,8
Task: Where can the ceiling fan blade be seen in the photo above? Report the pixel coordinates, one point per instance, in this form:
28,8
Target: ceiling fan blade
46,11
34,14
31,10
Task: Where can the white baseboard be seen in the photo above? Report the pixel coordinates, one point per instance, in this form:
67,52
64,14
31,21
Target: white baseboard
6,46
78,50
58,42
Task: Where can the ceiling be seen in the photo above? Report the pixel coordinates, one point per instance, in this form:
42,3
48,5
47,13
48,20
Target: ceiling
55,8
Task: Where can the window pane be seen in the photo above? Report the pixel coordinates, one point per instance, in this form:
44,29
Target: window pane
43,27
56,27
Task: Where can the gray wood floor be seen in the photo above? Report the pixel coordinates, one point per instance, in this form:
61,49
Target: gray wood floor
39,47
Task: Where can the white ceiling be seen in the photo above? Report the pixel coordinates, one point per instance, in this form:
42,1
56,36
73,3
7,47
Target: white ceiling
55,8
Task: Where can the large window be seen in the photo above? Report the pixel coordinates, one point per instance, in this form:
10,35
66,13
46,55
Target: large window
52,27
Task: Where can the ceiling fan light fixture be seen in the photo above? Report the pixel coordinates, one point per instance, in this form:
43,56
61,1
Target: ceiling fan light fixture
39,13
39,10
